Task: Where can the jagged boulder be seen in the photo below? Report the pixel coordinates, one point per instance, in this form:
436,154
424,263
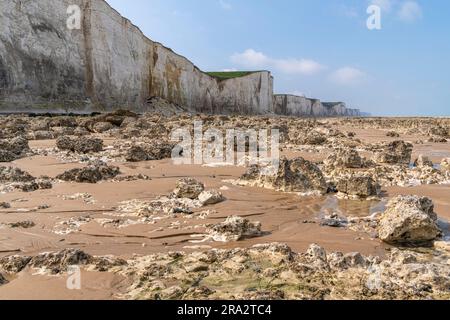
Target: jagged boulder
312,138
14,264
344,158
188,188
157,150
11,174
57,262
101,127
358,186
210,197
91,174
317,257
234,228
439,131
23,180
297,175
136,154
410,220
397,152
13,149
79,144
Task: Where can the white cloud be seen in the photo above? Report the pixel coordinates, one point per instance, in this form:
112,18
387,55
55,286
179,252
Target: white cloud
301,66
225,5
410,11
347,76
229,70
253,59
385,5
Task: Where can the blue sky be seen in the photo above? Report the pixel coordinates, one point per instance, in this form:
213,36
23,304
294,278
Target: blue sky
319,48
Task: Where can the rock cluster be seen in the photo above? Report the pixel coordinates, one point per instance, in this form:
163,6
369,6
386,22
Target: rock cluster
265,271
189,194
234,228
358,187
344,158
93,173
80,145
296,175
13,149
146,152
188,188
15,178
397,152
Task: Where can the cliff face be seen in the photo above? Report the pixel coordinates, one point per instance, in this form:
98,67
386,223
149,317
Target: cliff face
291,105
108,64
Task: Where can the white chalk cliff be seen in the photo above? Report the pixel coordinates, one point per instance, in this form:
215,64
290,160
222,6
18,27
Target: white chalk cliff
110,64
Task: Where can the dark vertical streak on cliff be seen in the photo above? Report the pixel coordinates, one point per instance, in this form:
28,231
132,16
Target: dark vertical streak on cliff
88,49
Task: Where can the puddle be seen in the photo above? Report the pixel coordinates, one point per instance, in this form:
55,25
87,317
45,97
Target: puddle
351,208
445,226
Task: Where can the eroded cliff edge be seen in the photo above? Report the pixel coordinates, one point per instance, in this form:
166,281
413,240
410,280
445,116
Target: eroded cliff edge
109,64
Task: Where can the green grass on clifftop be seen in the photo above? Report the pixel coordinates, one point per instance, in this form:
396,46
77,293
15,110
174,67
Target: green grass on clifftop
229,75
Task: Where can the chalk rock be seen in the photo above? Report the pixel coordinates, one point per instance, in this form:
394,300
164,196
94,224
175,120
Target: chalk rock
13,149
10,174
297,175
344,158
57,262
79,144
188,188
235,228
91,174
397,152
358,186
136,154
409,219
210,197
14,264
101,127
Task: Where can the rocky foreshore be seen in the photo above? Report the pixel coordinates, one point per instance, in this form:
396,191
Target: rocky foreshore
102,192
